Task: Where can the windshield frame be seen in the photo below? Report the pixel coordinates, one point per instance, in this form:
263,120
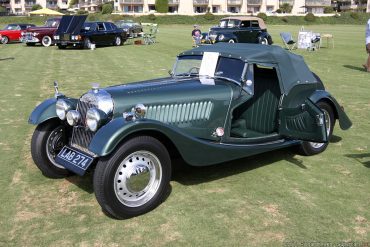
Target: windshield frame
239,83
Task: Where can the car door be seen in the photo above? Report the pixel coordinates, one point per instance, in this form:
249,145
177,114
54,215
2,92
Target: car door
98,36
109,33
15,33
304,122
244,32
254,31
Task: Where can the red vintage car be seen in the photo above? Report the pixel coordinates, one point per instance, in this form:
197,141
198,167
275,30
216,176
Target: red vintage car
12,32
41,35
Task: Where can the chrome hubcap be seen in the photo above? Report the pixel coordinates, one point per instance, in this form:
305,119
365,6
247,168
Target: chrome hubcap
137,178
328,129
46,41
54,144
118,41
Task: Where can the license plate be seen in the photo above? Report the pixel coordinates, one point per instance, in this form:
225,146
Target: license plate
74,160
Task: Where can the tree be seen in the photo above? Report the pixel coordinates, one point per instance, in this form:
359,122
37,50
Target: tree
107,8
72,2
286,8
161,6
36,7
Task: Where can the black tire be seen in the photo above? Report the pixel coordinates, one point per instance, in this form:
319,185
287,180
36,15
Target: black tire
4,40
62,47
118,41
47,141
231,41
312,148
115,175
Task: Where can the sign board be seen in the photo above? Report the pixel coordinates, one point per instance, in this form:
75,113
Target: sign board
209,63
304,39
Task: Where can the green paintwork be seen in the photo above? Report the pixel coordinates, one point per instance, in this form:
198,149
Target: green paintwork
344,121
197,109
280,110
43,112
46,111
293,70
195,151
302,121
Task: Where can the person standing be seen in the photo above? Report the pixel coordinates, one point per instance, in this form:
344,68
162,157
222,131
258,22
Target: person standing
367,65
197,35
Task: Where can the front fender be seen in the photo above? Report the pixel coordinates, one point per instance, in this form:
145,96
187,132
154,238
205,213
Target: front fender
227,37
344,121
43,112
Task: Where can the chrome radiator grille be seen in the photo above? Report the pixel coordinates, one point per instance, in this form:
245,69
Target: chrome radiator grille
81,136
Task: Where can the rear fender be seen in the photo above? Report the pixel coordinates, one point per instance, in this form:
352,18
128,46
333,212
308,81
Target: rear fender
321,95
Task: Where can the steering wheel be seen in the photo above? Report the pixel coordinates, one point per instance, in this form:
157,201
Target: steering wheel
193,70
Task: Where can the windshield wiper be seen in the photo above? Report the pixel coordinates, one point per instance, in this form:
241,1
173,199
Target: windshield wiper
224,78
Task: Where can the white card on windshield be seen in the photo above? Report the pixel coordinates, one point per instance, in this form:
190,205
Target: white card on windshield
209,63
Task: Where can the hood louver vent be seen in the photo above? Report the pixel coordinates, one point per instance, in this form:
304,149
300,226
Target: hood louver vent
180,113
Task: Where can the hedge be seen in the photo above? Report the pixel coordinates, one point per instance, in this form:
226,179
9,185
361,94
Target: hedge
344,18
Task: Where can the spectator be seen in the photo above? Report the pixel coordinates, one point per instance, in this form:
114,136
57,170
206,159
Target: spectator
197,35
367,65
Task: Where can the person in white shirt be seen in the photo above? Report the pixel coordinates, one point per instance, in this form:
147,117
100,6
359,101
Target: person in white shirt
367,65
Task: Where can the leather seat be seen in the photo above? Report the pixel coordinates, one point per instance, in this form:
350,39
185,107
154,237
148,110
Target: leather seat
258,116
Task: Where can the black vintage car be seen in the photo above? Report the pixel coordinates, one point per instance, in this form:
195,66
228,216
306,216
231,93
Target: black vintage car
132,28
74,31
240,30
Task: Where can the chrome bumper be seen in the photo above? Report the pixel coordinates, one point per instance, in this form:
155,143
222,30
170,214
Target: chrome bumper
28,39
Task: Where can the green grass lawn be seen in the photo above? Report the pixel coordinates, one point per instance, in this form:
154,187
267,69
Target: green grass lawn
268,199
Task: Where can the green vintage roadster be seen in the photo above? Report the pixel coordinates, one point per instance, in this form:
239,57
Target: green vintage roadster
221,102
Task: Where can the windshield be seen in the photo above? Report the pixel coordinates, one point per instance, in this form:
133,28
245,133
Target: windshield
12,27
229,23
228,68
51,23
187,65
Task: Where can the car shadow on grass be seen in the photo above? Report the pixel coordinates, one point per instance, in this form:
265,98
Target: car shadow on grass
190,175
363,158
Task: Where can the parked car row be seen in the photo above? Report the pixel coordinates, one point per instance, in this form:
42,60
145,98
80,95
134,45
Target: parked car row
71,31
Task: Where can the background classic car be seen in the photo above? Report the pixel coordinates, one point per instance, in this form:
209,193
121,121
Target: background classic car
222,102
41,35
12,32
132,28
74,31
242,29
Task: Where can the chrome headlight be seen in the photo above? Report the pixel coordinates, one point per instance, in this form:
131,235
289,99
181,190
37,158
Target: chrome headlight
95,118
35,34
56,37
73,117
221,37
62,107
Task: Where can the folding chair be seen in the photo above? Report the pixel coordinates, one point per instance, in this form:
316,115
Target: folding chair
315,42
288,41
150,38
